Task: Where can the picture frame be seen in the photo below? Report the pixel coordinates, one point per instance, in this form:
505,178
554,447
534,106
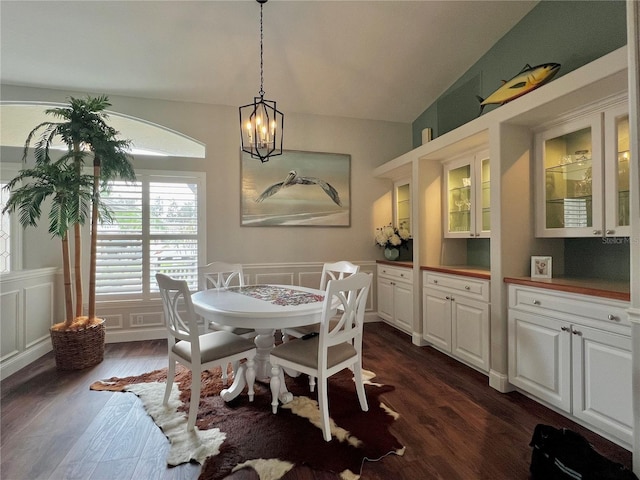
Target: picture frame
296,189
541,267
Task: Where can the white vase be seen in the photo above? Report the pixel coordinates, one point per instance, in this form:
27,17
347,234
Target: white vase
391,253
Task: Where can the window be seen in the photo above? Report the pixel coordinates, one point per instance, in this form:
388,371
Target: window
157,226
10,229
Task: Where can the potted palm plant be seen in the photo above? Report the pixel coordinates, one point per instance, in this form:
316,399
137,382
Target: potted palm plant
78,342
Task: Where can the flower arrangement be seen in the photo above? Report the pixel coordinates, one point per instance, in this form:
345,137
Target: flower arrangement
392,237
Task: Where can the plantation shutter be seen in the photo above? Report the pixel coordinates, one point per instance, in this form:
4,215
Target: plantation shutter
154,229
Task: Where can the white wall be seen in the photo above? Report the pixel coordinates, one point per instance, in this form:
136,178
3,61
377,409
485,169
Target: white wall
370,144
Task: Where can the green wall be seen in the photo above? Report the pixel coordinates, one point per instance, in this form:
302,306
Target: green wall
572,33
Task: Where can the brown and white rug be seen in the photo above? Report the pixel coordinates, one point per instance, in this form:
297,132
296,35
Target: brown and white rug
243,434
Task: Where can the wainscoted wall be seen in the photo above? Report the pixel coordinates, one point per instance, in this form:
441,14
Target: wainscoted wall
28,307
130,321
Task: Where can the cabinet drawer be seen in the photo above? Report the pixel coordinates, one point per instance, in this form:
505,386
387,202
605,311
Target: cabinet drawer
397,273
470,287
547,302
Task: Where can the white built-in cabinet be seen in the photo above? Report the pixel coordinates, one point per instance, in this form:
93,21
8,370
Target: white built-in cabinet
395,296
466,201
456,316
582,174
573,352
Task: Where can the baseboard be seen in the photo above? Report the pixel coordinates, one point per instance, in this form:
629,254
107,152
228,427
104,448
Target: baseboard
23,359
370,317
416,339
500,382
135,336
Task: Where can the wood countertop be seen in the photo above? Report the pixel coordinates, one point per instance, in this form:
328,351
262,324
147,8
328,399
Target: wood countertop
464,270
616,290
395,263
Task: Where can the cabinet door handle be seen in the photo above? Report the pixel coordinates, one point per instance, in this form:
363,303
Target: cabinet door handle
447,297
402,274
467,287
597,232
576,332
453,299
435,281
472,235
536,302
610,232
613,317
565,329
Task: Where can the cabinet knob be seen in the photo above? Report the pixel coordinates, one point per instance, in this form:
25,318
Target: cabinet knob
402,274
435,281
536,302
565,329
472,235
597,232
613,317
610,232
467,287
576,332
453,299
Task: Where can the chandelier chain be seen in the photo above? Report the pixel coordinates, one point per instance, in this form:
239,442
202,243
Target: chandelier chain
261,92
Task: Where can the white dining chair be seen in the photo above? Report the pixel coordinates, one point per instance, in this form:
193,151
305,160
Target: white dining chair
198,352
330,271
337,346
223,275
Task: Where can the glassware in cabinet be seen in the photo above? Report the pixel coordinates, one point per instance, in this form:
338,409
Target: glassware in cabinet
467,196
570,179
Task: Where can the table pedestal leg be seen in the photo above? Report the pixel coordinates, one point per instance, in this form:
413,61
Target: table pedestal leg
264,345
239,381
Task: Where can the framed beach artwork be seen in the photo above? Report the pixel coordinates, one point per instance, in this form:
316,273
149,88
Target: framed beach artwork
296,189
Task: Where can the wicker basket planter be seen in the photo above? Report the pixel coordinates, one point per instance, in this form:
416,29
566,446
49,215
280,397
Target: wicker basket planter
78,349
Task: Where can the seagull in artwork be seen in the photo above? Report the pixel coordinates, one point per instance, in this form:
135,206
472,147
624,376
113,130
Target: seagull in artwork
292,178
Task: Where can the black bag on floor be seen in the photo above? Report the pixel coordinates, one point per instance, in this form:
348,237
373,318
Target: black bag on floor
561,454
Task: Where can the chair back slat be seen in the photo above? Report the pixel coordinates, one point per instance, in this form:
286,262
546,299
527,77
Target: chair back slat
220,275
337,271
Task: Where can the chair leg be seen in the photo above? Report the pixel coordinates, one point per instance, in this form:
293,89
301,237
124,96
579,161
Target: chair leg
323,405
357,377
171,373
195,399
250,375
285,337
275,387
312,383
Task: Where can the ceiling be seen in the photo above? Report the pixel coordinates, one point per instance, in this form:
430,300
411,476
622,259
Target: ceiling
381,60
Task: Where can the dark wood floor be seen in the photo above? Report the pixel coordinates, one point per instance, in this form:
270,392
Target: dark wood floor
455,427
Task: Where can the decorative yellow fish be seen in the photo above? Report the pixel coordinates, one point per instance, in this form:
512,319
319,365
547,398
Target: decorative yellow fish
529,78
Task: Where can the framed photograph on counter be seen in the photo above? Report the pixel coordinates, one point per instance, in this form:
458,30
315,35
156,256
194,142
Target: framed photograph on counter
540,267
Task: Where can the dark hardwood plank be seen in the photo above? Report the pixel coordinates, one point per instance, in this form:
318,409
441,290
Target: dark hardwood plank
454,426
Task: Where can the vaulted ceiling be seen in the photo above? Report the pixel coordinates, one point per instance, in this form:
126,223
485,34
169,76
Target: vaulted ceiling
383,60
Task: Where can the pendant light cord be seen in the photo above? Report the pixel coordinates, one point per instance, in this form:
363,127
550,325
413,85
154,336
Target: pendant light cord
261,92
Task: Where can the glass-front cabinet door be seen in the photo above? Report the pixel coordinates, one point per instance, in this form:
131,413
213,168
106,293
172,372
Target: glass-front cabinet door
616,164
402,201
467,198
569,188
483,197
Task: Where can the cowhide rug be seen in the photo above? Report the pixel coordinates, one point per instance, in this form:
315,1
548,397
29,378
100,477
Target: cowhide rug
243,434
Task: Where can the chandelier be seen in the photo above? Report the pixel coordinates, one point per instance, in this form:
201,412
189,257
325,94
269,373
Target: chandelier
261,123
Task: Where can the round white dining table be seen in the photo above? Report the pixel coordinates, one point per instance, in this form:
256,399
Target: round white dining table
264,308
